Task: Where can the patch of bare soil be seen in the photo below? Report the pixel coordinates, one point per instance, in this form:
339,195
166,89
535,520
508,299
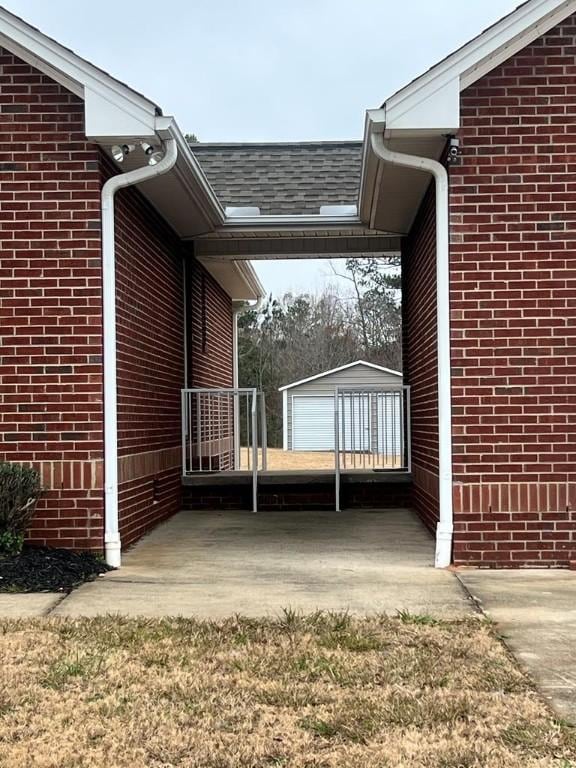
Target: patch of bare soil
277,459
326,691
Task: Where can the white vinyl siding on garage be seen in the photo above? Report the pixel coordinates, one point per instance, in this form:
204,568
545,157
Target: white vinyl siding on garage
309,411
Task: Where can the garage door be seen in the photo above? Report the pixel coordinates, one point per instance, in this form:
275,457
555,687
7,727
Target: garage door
312,423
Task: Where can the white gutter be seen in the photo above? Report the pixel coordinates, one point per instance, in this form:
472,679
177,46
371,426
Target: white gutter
445,529
290,221
112,534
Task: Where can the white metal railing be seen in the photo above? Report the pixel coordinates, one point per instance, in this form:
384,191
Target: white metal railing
371,430
221,429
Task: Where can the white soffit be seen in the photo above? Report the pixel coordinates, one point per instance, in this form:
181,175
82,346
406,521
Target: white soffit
238,279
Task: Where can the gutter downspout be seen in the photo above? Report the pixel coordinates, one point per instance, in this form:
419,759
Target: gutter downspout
445,528
112,544
236,312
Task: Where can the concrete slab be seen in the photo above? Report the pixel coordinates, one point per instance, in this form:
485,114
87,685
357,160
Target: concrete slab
28,606
536,611
215,564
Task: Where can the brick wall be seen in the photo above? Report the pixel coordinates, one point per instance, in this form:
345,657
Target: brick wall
51,322
150,339
210,364
50,302
514,311
210,330
420,358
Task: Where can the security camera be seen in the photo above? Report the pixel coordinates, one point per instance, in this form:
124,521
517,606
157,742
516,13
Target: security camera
453,150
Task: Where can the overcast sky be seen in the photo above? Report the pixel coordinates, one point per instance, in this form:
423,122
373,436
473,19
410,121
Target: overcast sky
265,70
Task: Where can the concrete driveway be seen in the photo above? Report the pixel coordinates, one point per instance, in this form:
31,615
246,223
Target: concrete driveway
536,612
215,564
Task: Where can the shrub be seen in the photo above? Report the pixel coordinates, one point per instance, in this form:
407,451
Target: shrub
19,491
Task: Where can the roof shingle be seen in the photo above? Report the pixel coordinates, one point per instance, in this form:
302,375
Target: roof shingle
284,178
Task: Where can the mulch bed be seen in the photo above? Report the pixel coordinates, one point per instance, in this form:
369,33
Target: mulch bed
43,569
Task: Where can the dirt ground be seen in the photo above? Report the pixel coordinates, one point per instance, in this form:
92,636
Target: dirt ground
295,460
327,691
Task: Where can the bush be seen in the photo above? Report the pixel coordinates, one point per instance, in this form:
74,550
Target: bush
19,491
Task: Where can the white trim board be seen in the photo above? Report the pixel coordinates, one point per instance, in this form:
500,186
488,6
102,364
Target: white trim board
337,370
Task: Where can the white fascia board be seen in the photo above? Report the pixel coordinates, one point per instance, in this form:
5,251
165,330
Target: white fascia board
191,174
112,108
289,221
250,276
430,105
534,20
432,101
337,370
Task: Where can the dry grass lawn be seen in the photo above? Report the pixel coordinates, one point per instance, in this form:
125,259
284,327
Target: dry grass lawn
318,692
296,460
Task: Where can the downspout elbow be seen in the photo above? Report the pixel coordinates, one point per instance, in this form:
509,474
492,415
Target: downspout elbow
417,163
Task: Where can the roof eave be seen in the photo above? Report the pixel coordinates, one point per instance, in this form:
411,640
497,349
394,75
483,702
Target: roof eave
425,111
115,113
238,279
112,108
431,102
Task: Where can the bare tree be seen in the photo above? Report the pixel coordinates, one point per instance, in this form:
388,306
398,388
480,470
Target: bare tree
300,335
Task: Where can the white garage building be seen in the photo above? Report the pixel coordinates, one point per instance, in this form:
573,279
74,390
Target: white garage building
370,410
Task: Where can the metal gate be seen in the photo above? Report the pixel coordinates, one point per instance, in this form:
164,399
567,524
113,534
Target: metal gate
221,432
371,430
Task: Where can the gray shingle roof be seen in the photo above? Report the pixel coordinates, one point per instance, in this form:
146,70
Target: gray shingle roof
287,178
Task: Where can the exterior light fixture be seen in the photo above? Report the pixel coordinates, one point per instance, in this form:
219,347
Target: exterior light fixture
153,154
155,157
119,151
